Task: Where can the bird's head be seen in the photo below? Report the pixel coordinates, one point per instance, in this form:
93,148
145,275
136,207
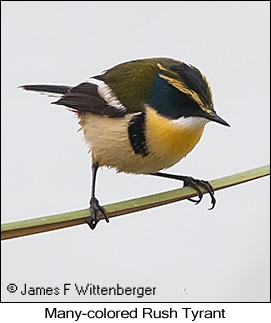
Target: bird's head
181,90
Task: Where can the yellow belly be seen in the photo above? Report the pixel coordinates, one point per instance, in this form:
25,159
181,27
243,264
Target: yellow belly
168,138
110,145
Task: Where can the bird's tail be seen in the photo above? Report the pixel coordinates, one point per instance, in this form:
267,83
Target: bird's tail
50,90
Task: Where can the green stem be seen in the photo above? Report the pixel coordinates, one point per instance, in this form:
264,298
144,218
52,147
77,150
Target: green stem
59,221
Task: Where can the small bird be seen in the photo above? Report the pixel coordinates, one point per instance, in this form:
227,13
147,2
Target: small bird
140,117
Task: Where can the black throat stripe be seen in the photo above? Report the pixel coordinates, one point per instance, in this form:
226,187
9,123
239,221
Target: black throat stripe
136,130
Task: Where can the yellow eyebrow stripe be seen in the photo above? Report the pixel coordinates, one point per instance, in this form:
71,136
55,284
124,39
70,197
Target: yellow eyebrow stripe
181,86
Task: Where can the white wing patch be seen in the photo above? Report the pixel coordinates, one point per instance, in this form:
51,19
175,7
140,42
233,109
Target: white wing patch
107,94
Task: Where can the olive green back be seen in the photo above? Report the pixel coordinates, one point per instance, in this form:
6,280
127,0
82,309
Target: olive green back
132,81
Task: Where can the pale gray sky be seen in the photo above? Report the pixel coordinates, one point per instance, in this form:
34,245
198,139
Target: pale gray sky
187,252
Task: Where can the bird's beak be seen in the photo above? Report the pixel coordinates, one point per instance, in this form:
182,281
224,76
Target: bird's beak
214,117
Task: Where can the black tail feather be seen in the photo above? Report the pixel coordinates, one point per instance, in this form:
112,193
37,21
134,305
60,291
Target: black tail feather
44,88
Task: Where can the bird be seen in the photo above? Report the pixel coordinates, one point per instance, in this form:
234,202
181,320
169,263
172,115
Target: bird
141,116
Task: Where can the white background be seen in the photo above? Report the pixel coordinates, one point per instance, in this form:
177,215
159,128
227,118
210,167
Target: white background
187,252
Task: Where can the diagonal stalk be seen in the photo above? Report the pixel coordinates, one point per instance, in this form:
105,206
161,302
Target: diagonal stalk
59,221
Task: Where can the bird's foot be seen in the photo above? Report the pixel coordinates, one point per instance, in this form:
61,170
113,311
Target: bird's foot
197,184
95,209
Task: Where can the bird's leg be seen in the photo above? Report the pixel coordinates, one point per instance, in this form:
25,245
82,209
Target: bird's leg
197,184
94,205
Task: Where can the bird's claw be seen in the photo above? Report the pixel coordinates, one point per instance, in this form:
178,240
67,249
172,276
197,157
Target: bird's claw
196,184
95,209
